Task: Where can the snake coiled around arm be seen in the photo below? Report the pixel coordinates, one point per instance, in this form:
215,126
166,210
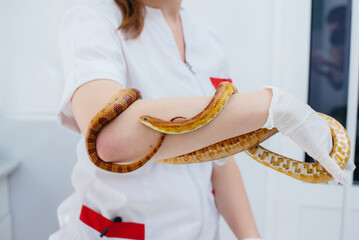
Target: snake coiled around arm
307,172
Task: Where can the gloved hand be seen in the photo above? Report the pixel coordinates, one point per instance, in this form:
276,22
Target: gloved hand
306,128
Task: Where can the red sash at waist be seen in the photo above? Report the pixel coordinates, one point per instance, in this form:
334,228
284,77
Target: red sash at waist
110,228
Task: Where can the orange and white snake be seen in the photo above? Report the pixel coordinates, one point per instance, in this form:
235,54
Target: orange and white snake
307,172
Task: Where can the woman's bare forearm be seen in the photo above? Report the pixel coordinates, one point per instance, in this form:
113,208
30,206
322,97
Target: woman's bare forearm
125,139
232,201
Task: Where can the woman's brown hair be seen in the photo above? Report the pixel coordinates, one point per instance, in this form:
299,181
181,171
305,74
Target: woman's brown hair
132,17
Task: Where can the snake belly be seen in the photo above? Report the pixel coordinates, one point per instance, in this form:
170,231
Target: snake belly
307,172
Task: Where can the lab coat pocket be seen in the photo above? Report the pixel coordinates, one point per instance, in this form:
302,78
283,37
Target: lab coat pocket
102,213
103,199
110,228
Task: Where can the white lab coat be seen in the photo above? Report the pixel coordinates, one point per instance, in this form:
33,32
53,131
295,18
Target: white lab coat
171,201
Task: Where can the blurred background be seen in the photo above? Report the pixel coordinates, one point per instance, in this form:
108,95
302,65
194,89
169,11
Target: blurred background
309,48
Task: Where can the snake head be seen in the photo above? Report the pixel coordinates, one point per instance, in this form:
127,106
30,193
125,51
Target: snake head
147,120
154,123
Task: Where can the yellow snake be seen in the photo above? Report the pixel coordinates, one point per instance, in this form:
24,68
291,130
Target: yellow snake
308,172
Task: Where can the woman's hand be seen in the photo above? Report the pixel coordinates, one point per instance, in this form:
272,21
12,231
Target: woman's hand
306,128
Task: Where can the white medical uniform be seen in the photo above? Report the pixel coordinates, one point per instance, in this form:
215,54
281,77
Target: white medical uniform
170,201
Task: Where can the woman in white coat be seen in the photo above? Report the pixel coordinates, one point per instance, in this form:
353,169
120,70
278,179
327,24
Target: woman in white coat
176,63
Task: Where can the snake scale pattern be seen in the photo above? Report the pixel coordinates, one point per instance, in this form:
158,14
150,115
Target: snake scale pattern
115,106
307,172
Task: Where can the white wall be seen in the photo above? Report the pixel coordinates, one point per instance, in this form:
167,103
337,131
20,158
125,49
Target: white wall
31,84
30,89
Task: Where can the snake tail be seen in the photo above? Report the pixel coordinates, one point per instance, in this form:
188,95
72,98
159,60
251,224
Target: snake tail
304,171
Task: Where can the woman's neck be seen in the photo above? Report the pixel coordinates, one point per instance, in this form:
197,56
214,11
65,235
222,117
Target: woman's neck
169,8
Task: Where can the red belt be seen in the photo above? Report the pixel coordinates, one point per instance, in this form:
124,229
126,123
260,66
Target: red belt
110,228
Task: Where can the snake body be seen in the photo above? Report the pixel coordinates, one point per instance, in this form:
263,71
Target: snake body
308,172
222,95
115,106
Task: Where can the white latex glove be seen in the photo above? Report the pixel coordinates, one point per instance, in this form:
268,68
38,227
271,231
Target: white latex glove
349,168
306,128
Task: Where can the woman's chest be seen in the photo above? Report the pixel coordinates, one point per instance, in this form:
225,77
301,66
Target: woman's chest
154,65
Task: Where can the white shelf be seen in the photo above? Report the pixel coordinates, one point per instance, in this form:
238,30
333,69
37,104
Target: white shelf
7,167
